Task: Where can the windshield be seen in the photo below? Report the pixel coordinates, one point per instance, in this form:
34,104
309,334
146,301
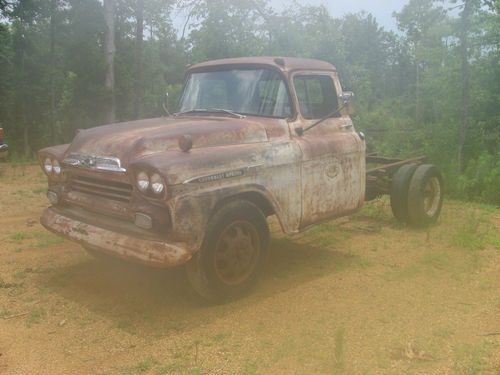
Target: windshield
259,92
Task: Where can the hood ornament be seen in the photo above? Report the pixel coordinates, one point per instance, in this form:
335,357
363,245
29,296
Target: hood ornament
102,163
185,142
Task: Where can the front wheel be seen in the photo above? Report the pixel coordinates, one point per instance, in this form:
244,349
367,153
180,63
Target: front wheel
425,196
233,252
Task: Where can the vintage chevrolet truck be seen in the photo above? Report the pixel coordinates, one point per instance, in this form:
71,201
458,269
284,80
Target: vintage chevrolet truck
253,137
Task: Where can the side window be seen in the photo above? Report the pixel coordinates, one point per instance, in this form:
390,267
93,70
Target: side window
316,94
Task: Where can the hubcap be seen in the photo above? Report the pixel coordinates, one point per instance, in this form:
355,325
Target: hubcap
432,196
237,252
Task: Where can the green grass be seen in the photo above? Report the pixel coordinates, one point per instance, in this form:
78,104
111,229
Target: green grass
475,233
39,190
141,367
437,260
249,368
48,239
23,236
339,348
39,239
4,313
123,324
376,210
35,316
220,336
470,359
4,285
19,275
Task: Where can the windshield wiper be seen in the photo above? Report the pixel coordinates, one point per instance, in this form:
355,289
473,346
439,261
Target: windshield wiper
210,110
301,131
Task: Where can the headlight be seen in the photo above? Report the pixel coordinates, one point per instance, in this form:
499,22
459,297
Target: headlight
47,165
157,184
56,167
142,181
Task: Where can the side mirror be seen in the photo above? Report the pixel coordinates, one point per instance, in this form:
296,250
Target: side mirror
347,98
165,104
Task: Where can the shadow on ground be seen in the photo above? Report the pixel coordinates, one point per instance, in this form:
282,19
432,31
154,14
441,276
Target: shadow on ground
145,301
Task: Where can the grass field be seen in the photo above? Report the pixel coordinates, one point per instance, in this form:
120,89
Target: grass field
359,295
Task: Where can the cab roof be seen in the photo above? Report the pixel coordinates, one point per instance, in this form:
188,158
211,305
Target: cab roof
281,63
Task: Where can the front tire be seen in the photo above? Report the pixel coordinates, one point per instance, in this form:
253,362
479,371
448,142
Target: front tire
425,196
232,254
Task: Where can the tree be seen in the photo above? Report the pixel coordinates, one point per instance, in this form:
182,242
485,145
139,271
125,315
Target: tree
421,22
109,47
139,34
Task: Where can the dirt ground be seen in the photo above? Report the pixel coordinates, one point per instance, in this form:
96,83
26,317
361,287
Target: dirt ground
361,295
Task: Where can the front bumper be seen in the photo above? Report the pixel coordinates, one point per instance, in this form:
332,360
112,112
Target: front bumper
156,253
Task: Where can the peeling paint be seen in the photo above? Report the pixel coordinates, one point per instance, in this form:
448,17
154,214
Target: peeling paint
301,179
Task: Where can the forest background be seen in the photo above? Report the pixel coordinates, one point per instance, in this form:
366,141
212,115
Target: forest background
430,87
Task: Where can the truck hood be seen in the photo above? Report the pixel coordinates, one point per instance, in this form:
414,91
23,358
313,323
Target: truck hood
131,140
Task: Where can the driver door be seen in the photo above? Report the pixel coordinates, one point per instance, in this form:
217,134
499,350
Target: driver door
333,160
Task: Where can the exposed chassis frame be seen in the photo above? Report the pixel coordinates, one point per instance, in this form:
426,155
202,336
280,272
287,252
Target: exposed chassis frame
379,176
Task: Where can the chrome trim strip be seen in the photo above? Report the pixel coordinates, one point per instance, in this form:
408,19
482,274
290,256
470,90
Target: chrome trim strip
103,163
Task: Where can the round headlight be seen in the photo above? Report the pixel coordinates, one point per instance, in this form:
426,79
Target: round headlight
56,167
142,181
47,165
157,184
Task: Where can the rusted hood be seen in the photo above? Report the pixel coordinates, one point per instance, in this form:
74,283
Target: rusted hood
132,140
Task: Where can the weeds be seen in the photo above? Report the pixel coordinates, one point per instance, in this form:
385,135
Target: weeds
220,337
39,190
35,316
43,239
141,367
339,348
474,234
470,359
250,367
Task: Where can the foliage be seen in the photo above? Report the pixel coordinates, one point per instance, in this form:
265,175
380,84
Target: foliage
409,85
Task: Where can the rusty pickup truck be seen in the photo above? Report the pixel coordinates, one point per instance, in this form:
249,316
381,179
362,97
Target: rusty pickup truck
253,137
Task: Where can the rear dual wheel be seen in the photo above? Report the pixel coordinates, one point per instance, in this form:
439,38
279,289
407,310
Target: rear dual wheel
417,194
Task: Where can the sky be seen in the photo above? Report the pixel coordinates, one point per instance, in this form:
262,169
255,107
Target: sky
381,9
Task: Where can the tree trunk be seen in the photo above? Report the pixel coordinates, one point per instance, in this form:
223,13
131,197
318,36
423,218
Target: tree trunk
417,82
24,119
109,46
53,7
464,52
139,31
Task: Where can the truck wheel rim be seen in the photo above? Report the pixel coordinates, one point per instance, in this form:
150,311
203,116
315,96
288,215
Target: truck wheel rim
237,252
432,196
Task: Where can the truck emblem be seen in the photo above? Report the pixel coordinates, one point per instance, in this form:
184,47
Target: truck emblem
216,176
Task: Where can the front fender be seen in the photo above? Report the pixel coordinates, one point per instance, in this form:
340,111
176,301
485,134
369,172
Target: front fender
191,213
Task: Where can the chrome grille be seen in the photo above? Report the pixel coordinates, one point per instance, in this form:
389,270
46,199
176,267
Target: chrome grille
119,191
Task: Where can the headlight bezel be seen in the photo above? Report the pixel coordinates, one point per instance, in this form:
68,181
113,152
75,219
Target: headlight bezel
157,184
47,165
156,187
142,181
56,167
